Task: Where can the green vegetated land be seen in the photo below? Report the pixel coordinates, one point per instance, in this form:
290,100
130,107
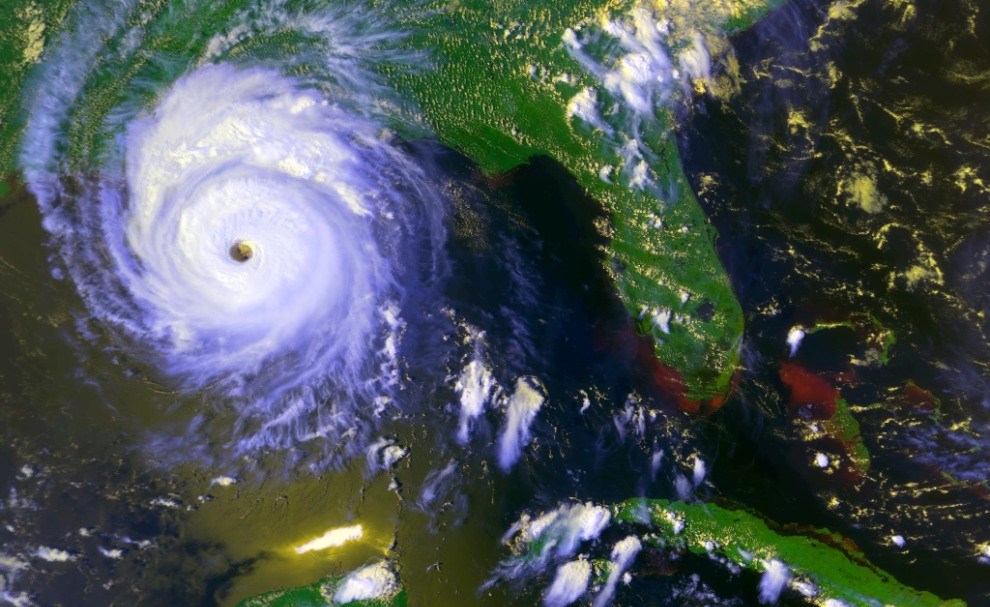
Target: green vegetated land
319,594
836,568
496,87
484,99
25,26
829,566
479,95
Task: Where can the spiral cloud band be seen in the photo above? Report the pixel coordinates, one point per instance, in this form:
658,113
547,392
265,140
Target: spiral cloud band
261,242
282,172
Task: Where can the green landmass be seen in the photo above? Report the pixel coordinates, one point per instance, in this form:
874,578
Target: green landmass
825,566
484,100
845,428
319,594
478,94
879,338
878,341
25,27
832,563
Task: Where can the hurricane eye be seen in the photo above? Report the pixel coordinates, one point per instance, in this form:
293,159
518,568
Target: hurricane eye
241,251
267,279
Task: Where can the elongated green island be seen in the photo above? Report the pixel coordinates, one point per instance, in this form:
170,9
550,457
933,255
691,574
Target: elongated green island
594,85
815,567
829,567
371,586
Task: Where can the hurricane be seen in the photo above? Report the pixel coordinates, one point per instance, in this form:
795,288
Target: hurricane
248,234
581,302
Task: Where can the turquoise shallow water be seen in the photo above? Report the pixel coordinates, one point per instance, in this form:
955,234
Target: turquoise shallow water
900,102
135,465
153,455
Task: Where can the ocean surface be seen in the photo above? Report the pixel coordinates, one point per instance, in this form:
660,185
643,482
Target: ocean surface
847,177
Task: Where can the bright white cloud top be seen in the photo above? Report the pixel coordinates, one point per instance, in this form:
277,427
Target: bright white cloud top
257,243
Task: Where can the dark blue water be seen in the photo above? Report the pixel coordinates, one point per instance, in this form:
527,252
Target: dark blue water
823,107
903,99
